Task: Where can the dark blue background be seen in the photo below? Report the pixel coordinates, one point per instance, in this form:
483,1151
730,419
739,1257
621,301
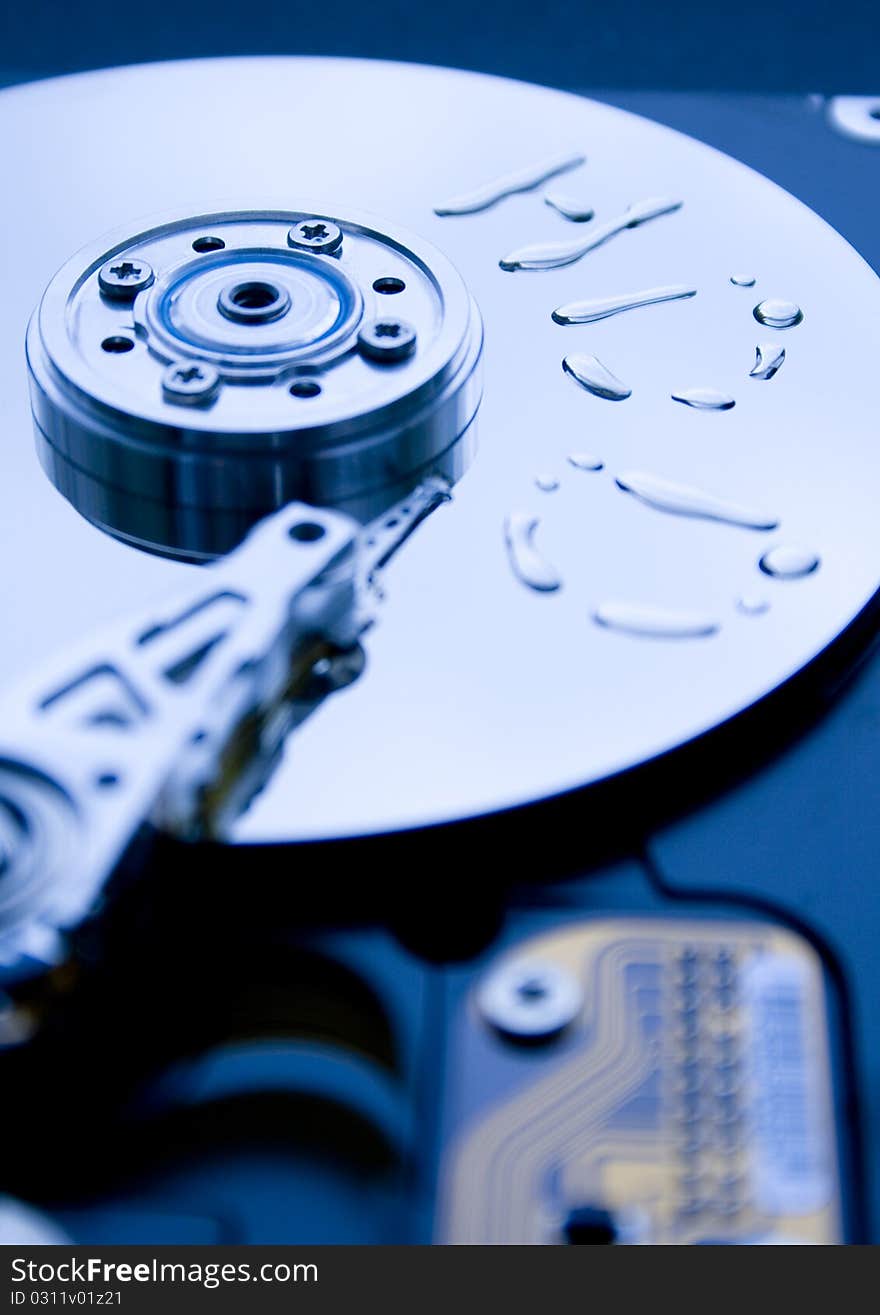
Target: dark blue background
750,45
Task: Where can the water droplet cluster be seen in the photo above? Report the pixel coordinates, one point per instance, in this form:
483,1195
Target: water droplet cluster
522,529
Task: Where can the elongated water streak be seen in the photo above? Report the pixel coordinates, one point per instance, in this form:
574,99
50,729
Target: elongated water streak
682,500
655,622
705,399
552,255
530,566
586,312
521,180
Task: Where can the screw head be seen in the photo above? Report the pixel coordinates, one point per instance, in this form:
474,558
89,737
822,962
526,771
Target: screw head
190,383
317,235
123,278
530,999
387,339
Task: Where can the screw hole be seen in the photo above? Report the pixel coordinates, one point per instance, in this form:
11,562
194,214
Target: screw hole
304,388
107,780
307,532
874,112
117,344
203,244
389,285
254,296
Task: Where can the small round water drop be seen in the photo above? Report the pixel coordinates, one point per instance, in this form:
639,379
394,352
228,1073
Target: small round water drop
547,483
789,563
752,605
777,314
743,280
569,207
585,461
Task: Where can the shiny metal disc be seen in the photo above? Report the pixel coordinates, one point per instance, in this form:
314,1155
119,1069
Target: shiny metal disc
190,378
695,511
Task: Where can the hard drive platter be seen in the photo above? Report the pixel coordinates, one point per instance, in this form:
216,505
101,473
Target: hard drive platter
481,693
418,487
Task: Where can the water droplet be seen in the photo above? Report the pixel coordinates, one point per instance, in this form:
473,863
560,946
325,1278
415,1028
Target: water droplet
655,622
743,280
584,461
586,312
529,565
552,255
704,399
682,500
768,358
547,483
591,374
752,605
522,180
569,207
788,563
778,314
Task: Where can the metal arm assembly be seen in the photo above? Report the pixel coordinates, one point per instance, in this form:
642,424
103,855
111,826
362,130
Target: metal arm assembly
175,716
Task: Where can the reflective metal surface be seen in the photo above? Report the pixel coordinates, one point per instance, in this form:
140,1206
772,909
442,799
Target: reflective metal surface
193,377
479,692
171,716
